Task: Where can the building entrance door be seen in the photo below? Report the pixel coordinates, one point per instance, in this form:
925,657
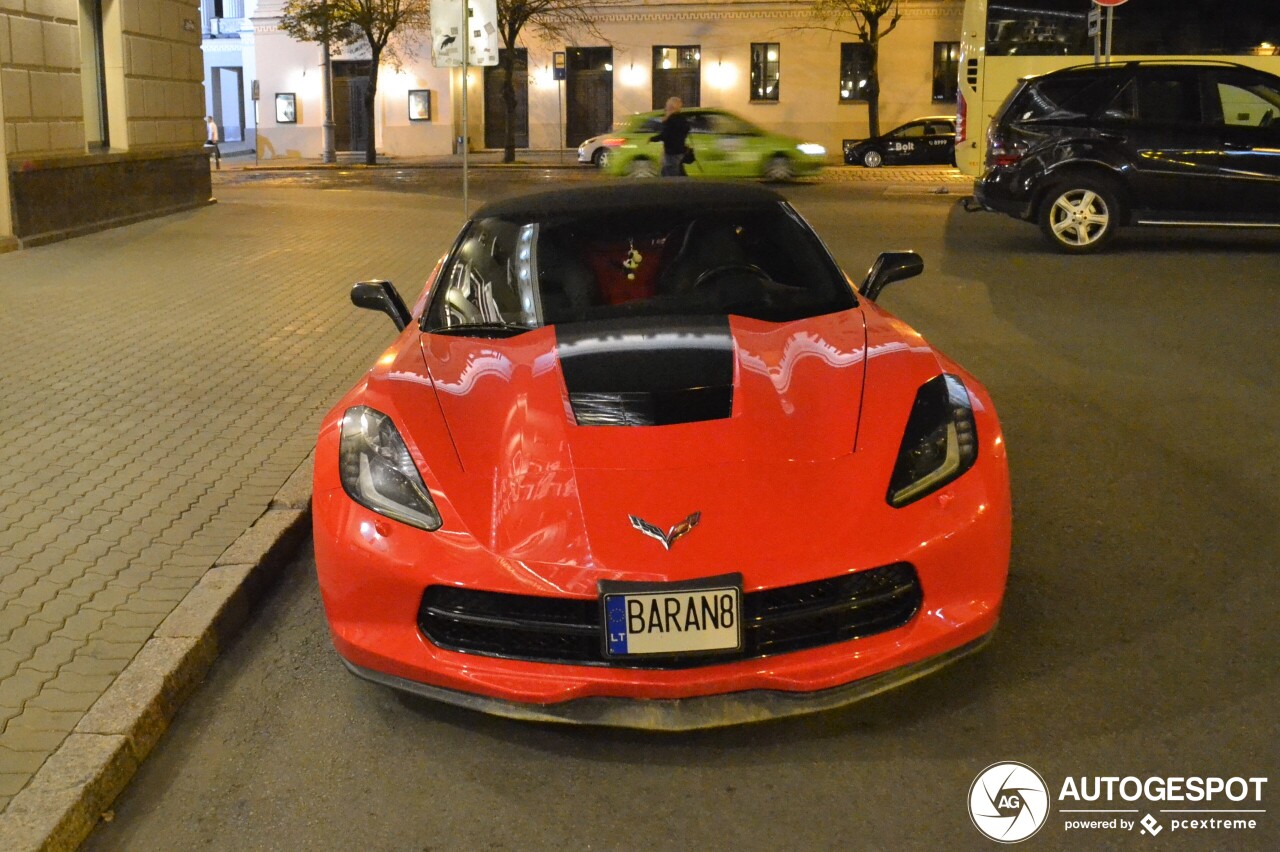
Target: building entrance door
228,102
350,83
588,93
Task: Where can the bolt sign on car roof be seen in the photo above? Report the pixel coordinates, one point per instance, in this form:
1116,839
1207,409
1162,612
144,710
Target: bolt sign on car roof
1086,151
651,460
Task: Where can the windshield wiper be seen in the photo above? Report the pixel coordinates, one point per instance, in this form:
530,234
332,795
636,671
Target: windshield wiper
483,329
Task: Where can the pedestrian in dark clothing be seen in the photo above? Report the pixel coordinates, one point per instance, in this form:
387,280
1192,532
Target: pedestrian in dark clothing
675,130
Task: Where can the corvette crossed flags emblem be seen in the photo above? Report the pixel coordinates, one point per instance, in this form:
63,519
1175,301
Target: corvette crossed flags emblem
668,538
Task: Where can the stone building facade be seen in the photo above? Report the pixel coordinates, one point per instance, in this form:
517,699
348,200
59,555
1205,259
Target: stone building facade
720,52
101,104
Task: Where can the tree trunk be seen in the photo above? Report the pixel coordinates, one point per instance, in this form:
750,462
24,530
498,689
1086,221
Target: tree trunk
873,85
370,95
509,106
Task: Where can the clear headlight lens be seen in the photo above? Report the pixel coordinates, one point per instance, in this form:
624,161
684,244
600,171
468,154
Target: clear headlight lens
939,444
378,472
812,150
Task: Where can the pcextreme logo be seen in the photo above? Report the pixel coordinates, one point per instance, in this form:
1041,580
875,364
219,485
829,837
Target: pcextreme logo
1008,802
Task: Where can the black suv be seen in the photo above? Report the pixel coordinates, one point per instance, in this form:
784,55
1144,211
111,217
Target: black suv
1085,150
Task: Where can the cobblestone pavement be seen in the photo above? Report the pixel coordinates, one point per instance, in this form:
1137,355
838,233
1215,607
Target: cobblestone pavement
162,381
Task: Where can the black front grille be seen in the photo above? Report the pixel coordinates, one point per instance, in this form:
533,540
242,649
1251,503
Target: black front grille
774,621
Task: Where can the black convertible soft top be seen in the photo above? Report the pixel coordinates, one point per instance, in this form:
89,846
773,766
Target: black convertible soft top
683,195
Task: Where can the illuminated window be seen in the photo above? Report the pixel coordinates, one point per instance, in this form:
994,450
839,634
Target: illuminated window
946,70
855,72
677,70
764,71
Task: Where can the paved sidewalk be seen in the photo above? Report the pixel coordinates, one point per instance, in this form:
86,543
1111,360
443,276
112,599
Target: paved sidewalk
162,381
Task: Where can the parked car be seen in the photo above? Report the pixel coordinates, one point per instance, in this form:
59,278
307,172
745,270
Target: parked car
724,145
595,150
1087,150
928,140
645,458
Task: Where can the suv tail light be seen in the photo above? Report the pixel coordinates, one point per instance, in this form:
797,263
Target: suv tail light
1002,151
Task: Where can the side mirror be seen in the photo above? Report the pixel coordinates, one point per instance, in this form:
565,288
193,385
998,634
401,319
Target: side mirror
381,296
889,267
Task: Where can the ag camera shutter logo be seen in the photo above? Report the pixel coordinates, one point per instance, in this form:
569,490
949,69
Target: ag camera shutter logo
1008,802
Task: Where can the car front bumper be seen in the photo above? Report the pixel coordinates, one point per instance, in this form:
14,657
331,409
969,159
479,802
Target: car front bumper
682,714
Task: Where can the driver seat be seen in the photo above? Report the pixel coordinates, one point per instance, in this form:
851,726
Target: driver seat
707,245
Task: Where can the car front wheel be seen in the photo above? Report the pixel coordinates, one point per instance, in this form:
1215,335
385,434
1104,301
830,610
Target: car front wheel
600,157
642,168
872,159
778,168
1080,216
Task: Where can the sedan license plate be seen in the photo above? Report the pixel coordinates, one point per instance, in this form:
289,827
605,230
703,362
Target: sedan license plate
672,618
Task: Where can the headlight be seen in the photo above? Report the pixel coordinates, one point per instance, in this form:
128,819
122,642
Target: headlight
378,472
812,150
940,442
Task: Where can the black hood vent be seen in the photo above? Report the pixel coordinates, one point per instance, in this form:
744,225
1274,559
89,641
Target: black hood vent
648,371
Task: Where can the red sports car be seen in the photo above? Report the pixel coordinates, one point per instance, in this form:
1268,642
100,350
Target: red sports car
644,456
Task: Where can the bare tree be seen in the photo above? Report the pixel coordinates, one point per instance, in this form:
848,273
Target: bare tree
375,22
551,21
865,20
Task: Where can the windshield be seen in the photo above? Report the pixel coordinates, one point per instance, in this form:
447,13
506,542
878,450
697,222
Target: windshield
761,262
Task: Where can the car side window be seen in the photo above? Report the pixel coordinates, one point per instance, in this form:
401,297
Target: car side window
911,131
1169,99
698,123
727,125
1248,103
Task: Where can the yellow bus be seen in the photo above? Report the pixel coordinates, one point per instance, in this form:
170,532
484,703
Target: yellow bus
1006,40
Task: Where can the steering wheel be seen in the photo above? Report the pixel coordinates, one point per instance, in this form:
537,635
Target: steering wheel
729,269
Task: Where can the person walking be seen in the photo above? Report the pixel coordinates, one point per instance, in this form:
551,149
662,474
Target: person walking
211,127
675,130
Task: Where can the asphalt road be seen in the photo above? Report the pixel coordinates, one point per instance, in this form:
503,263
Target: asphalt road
1139,400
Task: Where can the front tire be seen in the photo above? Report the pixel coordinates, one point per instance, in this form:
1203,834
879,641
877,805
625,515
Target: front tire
779,168
642,168
872,159
1080,216
600,158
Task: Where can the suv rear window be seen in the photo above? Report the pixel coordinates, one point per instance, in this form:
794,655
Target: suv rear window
1057,95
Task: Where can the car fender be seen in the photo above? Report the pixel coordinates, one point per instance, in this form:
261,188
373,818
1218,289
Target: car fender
1074,160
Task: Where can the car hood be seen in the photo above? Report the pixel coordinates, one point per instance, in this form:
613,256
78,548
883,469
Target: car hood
513,409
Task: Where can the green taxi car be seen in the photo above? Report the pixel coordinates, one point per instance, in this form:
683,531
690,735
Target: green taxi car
723,144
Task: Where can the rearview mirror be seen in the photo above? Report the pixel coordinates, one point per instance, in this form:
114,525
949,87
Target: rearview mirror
889,267
381,296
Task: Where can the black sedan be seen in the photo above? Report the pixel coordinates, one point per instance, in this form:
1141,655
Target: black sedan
926,140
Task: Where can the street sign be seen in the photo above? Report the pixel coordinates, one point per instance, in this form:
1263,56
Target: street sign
1109,2
557,65
1095,21
448,38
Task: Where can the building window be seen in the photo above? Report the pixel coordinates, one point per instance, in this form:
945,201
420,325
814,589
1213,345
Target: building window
764,71
677,71
93,75
946,70
855,72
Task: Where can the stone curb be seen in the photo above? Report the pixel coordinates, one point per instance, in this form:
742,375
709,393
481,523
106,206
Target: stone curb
63,802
